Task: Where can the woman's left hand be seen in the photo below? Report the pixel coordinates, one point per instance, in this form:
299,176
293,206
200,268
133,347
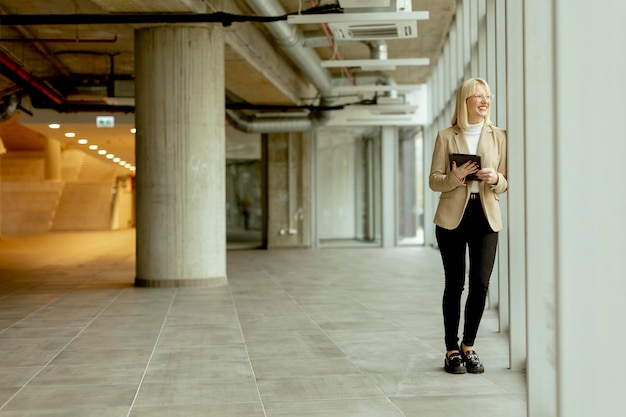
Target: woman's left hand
488,175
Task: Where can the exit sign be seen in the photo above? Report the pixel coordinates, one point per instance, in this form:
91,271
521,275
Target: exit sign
105,121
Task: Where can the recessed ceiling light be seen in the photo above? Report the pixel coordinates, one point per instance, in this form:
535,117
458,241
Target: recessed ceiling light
54,125
117,159
110,156
122,163
82,141
133,130
102,152
70,134
93,147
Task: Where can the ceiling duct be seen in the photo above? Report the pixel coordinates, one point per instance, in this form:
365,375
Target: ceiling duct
292,41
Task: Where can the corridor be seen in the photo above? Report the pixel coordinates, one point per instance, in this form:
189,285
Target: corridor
296,333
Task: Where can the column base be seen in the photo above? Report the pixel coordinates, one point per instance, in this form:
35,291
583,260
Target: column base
181,283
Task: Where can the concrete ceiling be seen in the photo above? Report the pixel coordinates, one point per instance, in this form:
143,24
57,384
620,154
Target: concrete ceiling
75,60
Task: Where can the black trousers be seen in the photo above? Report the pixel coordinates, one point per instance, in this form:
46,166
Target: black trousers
474,233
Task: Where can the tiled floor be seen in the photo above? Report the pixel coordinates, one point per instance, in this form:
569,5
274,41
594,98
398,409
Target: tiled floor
296,333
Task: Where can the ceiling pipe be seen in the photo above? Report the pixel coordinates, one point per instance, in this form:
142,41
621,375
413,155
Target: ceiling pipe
379,50
39,47
276,124
291,39
39,89
22,77
270,12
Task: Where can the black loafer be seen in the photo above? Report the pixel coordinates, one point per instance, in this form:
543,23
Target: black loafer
472,362
454,363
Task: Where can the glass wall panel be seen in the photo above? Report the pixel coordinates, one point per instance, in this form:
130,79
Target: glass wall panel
348,186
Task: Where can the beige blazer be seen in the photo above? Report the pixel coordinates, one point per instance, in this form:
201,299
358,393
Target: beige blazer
455,193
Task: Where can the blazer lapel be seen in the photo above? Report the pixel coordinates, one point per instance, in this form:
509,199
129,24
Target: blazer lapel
460,141
485,141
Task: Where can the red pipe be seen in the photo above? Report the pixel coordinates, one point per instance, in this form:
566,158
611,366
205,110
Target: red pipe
30,79
335,51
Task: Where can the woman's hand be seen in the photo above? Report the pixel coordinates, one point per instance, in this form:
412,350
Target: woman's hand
464,170
488,175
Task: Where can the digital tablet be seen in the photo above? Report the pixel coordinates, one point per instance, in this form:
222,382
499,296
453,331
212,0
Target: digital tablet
461,158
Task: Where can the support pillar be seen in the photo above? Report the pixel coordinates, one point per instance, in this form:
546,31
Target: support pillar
2,152
53,159
180,156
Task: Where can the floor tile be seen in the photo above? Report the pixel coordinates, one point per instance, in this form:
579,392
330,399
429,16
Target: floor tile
286,367
197,371
327,387
337,408
74,412
481,405
89,374
197,393
217,410
68,397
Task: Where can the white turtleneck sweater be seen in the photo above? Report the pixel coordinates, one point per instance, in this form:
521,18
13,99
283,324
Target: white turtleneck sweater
472,135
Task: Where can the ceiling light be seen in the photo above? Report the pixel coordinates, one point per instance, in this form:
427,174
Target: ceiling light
110,156
70,134
82,141
122,163
93,147
102,152
54,125
133,130
369,63
117,159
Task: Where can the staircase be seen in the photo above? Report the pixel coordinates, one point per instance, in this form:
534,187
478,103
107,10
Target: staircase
85,203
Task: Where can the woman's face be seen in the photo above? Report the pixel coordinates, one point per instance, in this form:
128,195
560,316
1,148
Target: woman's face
478,105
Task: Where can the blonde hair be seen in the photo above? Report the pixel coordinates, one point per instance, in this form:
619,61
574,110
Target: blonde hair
466,90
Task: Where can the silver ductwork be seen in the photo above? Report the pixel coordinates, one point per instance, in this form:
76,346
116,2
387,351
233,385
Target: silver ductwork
292,41
8,106
277,124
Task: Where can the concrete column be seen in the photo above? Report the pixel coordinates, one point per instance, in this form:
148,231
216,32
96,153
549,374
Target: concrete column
52,159
288,204
2,152
589,205
539,144
180,156
388,166
515,125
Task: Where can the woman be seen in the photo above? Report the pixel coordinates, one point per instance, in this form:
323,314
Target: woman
468,215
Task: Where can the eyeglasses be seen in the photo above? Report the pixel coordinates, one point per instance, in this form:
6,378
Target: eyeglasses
480,97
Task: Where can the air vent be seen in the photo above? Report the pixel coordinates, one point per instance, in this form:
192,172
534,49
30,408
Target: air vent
374,30
364,3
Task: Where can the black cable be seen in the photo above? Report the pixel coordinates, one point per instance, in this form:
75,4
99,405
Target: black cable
226,19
